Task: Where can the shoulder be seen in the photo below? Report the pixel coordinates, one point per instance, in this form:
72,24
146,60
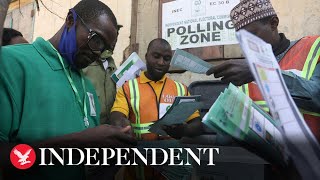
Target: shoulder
16,57
17,51
130,81
20,54
17,48
310,39
130,84
176,82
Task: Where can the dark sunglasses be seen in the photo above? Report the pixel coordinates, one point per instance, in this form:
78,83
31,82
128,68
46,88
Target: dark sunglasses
96,44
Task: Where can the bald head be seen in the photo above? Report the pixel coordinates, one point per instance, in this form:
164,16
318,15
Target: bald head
158,58
90,10
162,42
12,36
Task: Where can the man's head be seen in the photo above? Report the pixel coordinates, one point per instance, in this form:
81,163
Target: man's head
12,36
257,17
90,33
158,58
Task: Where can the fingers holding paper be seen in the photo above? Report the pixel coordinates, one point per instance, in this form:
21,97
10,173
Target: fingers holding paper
176,131
235,71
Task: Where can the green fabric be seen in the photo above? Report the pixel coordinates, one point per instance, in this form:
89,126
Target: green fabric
37,101
105,87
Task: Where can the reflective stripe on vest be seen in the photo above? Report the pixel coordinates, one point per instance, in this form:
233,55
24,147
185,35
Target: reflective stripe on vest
263,105
141,128
138,127
135,102
307,71
180,89
312,60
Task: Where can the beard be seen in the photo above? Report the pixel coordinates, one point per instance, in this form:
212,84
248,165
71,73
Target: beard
154,74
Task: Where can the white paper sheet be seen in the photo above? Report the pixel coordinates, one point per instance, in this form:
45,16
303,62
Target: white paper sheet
187,61
130,69
302,145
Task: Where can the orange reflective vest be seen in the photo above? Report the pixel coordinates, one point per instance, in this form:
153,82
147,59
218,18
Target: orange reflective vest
146,108
302,58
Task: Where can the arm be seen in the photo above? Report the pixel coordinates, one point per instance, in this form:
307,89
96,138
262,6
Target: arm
236,71
4,5
101,136
120,110
305,92
192,128
119,119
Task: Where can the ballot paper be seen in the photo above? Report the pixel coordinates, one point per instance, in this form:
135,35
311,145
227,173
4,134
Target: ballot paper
182,108
184,60
183,99
302,145
130,69
234,114
231,113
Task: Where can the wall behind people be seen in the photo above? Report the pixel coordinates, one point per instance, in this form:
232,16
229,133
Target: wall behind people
46,23
297,19
21,19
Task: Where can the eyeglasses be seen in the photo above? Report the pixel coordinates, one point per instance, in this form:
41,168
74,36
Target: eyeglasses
96,44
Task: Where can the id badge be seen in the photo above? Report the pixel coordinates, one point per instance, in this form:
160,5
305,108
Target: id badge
163,108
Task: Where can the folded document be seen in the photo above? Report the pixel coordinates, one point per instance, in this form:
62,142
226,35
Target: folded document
130,69
182,108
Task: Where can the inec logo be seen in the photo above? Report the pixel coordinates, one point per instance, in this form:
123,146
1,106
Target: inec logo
22,156
198,8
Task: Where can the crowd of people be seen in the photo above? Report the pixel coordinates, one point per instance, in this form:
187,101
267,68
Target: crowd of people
58,92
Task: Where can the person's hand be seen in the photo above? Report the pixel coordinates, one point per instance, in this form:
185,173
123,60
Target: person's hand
236,71
106,136
125,123
176,131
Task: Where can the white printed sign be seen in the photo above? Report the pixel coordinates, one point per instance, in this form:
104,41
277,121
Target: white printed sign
198,23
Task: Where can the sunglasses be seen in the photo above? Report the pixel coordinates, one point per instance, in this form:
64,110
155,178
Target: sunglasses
96,44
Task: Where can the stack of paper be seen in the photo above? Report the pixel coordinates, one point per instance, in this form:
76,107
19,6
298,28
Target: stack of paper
130,69
187,61
186,104
302,145
234,114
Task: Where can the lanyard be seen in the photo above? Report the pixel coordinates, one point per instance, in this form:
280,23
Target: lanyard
83,105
